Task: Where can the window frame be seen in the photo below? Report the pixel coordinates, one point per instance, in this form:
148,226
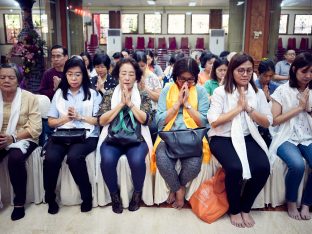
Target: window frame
287,23
310,33
160,24
94,30
192,23
5,28
137,26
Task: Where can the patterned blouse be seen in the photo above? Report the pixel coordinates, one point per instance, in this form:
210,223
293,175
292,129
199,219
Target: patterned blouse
146,104
109,83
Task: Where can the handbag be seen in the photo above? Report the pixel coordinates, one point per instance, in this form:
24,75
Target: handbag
209,202
69,135
184,143
124,129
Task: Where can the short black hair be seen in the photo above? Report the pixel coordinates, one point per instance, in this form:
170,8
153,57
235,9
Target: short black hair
139,56
117,55
217,63
131,61
185,65
85,53
175,56
65,52
101,58
302,60
266,65
64,85
206,57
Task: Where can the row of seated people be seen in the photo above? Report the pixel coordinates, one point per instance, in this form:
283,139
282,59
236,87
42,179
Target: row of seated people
236,108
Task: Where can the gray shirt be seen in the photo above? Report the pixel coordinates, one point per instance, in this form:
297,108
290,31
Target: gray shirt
282,69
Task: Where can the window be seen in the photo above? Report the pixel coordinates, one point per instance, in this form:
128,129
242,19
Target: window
283,25
129,23
152,23
176,23
40,23
12,24
303,24
200,23
225,22
101,25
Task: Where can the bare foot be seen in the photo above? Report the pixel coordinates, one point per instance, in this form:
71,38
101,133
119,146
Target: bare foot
179,202
293,211
248,220
305,213
237,220
171,198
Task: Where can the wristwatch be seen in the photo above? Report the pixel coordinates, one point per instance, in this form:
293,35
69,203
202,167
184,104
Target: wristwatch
188,106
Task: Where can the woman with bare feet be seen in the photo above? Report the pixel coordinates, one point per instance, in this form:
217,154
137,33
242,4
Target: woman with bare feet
291,108
236,109
181,105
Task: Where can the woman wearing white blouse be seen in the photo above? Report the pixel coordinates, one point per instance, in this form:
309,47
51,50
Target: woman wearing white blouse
236,109
291,110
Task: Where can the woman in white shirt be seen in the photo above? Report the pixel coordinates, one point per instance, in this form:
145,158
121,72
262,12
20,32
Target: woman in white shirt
236,109
291,110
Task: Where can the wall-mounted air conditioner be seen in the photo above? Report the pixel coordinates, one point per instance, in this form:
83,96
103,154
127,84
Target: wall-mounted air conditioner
114,41
216,41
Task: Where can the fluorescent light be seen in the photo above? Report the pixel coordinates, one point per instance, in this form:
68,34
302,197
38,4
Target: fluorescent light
240,3
192,4
151,2
188,13
157,13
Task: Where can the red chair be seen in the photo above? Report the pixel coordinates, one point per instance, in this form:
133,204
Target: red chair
162,43
94,43
129,43
172,43
184,43
151,43
280,43
140,43
291,43
200,43
304,44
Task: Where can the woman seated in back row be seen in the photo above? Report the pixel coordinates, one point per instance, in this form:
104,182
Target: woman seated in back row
125,111
20,128
74,105
181,105
236,109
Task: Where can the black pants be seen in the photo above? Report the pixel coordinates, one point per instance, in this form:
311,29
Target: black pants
17,171
241,198
76,155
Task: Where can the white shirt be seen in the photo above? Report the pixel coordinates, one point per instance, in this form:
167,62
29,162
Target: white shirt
219,106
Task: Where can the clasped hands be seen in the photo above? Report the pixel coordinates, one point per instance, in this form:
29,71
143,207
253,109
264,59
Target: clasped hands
184,95
5,140
126,97
242,102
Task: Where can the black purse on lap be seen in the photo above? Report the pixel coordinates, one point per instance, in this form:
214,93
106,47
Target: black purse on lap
184,143
69,135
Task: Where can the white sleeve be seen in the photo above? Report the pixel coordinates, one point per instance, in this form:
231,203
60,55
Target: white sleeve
263,106
217,104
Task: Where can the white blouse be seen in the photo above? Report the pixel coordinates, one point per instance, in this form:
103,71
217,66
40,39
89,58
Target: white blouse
219,105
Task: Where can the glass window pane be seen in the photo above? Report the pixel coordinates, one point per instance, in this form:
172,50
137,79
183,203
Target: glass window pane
152,23
176,23
200,23
129,23
12,27
303,24
283,24
225,22
101,25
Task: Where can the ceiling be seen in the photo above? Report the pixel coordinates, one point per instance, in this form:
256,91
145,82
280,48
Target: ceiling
171,3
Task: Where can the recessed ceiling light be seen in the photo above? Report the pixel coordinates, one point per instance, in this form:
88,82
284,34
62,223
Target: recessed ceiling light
192,4
151,2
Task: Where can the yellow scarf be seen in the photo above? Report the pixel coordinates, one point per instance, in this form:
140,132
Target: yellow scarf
171,99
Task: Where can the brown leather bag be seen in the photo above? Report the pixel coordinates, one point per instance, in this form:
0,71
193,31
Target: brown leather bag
209,202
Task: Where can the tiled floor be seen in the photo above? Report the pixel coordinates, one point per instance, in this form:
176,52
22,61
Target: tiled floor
146,220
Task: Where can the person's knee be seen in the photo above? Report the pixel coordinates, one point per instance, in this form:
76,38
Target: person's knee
15,157
297,167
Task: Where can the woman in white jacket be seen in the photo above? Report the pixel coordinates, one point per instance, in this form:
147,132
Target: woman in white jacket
291,111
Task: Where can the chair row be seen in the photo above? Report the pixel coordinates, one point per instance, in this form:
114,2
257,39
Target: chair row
155,190
162,44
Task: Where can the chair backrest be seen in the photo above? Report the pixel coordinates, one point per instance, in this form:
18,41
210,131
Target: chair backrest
172,43
184,43
151,43
44,105
280,43
94,40
128,43
199,43
162,43
140,43
304,43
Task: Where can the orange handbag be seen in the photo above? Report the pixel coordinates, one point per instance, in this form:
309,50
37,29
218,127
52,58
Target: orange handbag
209,202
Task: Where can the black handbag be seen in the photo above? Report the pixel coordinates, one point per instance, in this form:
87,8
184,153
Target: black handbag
124,130
184,143
69,135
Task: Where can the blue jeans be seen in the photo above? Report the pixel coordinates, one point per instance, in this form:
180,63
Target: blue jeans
110,155
292,156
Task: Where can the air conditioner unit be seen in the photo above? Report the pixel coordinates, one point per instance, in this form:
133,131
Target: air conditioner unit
216,41
114,41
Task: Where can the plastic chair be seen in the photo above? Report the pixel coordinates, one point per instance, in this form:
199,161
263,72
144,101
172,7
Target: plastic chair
184,43
140,43
162,43
129,43
172,43
151,43
200,43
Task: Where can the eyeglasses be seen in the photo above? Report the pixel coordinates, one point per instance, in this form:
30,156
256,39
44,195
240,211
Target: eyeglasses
189,81
242,71
291,54
58,56
10,77
76,74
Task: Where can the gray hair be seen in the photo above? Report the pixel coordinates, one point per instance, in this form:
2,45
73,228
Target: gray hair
13,66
